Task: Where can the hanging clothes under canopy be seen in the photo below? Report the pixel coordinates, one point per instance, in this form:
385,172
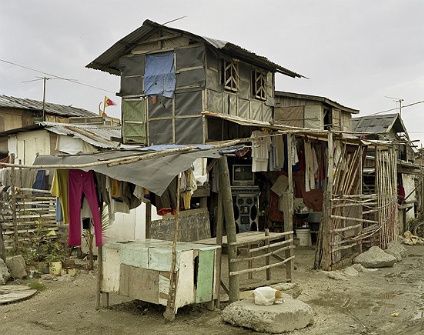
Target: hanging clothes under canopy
154,174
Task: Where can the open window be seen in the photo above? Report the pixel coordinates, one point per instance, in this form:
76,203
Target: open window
230,75
258,85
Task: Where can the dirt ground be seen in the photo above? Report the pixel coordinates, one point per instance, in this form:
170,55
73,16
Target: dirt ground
388,301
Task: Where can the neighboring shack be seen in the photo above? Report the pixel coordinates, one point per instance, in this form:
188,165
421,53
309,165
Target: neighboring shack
311,111
391,127
208,75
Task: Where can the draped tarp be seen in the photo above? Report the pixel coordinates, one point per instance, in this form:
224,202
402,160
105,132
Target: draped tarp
154,174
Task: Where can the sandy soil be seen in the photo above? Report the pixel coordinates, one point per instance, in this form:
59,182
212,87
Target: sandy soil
388,301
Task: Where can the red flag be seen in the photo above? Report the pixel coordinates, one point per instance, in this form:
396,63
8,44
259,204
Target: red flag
108,102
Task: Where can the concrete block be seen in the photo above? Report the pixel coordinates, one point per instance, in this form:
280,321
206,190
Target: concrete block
292,314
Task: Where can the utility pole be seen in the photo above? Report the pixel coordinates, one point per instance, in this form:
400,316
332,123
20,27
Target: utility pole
398,100
44,98
400,106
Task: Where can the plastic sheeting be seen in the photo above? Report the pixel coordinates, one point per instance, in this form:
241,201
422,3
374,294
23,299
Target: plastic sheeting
188,131
153,174
159,78
190,78
188,103
160,131
131,85
131,66
190,57
162,108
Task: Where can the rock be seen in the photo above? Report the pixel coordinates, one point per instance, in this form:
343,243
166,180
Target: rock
4,273
336,275
360,268
47,277
292,289
375,258
17,267
351,272
275,319
397,250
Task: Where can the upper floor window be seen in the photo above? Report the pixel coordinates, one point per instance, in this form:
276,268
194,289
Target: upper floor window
258,85
230,75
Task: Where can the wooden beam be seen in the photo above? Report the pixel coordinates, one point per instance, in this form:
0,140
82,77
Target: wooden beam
170,311
230,224
237,273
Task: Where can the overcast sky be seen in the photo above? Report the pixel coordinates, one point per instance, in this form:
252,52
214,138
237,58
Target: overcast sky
355,52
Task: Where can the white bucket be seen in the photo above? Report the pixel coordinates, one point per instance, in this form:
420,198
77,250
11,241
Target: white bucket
304,236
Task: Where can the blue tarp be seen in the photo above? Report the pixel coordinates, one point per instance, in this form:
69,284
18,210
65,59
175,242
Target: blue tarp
159,75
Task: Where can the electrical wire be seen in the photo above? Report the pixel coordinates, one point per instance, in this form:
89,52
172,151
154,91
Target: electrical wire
74,81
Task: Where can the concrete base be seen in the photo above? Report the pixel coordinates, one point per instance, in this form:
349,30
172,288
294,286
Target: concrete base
292,314
375,258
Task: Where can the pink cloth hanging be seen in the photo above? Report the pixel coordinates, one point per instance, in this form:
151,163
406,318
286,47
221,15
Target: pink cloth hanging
82,183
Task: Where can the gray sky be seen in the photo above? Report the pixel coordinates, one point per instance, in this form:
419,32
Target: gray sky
355,52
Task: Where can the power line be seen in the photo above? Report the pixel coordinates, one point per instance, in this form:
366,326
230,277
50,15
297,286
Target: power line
74,81
397,108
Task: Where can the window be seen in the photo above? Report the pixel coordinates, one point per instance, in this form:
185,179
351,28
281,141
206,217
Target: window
230,75
258,85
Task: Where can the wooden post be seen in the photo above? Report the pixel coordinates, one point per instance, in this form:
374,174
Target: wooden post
267,258
290,194
99,276
325,222
230,225
2,248
169,313
219,228
148,218
13,203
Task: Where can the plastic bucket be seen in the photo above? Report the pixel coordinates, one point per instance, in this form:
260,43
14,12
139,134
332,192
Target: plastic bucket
304,236
55,268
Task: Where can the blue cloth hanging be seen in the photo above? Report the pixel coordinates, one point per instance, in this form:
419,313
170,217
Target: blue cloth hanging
159,75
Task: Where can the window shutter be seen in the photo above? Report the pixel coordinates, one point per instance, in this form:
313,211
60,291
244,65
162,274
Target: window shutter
134,121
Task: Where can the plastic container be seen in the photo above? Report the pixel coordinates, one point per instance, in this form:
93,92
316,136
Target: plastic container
55,268
304,236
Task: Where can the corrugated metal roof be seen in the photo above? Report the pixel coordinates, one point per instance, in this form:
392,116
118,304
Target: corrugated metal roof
378,124
315,98
108,61
97,135
37,106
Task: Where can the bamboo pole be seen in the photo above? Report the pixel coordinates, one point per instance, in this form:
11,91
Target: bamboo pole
170,311
13,203
326,260
237,273
289,226
227,200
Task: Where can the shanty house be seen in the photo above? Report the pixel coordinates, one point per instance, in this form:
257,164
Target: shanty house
19,113
391,127
170,76
49,138
311,111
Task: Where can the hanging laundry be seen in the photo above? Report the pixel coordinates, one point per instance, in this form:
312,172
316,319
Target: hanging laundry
59,189
82,183
311,166
41,180
261,143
